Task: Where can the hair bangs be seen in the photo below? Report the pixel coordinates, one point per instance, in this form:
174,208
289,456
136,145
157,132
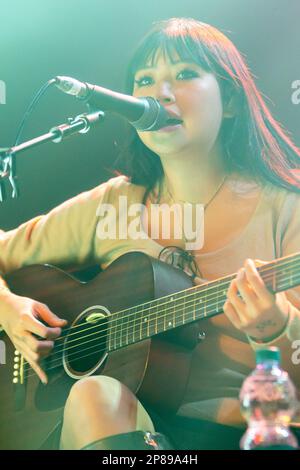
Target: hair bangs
173,47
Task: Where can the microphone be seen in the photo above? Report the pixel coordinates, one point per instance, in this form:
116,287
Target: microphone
145,114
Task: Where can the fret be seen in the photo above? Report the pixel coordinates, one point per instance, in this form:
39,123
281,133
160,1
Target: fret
183,308
218,298
117,331
205,303
172,322
148,324
144,322
140,322
124,318
216,306
135,325
120,330
128,319
109,334
194,315
165,313
162,307
285,271
126,323
199,304
169,314
188,306
132,324
152,318
112,331
224,291
157,310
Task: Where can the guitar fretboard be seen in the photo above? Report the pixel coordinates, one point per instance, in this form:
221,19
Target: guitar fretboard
143,321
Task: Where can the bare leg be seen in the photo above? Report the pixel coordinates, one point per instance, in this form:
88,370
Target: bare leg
98,407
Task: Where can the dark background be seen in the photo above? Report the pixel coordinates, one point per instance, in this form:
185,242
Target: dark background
92,40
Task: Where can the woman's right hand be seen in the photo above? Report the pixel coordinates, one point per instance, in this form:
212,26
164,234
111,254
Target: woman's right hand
23,318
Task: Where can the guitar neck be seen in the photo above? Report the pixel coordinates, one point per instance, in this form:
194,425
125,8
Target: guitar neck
143,321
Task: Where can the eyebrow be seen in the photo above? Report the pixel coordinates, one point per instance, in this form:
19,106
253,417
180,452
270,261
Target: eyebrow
187,61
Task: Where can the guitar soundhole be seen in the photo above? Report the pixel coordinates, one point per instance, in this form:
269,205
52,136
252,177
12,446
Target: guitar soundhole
86,342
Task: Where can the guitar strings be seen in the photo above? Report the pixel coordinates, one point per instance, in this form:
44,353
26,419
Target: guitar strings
105,335
127,317
170,308
196,291
74,354
53,366
217,284
124,327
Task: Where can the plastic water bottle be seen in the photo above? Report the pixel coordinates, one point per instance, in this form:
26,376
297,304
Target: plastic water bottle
268,402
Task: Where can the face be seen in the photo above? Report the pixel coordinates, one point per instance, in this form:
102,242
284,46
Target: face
191,93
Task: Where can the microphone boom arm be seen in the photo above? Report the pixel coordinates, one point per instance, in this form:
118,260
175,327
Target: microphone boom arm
80,124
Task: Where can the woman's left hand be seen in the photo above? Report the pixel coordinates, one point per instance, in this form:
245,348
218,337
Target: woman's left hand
259,313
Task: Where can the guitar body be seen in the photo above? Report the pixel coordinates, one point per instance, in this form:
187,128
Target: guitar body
155,369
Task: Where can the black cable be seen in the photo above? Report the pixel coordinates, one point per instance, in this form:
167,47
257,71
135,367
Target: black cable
31,107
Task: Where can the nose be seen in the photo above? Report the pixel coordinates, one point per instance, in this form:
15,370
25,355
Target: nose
165,93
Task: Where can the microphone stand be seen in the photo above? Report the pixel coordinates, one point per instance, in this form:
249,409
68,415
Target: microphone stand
80,124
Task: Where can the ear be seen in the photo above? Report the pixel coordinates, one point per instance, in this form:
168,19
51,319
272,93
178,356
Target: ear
231,101
230,108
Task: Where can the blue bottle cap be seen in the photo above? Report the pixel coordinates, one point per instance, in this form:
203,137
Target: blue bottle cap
267,354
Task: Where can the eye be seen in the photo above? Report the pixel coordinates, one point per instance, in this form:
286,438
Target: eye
187,74
142,81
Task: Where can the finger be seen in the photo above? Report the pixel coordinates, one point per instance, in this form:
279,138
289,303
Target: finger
259,262
231,314
256,282
42,348
38,370
248,294
234,298
33,325
49,317
32,359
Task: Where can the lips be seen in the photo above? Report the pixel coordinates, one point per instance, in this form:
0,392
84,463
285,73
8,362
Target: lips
173,118
173,121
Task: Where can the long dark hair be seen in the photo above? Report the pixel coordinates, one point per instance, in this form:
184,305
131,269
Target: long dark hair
255,143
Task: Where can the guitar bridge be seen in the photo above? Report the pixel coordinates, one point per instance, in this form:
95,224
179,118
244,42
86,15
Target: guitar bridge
19,381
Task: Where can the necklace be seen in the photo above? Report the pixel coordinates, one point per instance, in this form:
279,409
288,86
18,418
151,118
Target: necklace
208,202
186,202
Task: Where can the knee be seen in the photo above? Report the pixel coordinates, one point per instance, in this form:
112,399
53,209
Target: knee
95,389
100,406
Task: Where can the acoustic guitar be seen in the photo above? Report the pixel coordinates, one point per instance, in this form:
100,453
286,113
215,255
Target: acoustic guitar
137,322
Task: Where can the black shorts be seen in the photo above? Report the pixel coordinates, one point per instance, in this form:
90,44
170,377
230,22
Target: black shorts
183,433
194,434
